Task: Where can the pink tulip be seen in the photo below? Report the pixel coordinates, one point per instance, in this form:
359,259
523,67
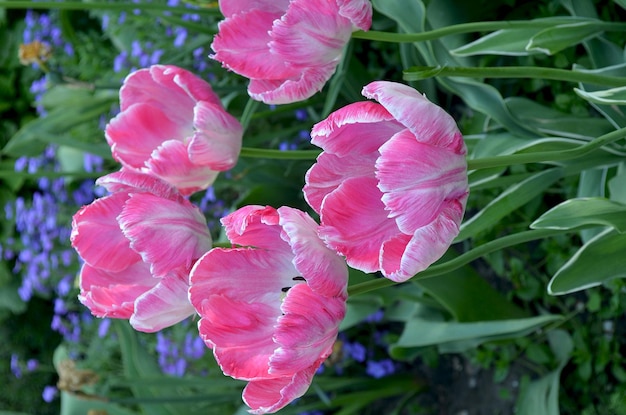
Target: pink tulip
270,308
391,184
173,126
138,245
287,48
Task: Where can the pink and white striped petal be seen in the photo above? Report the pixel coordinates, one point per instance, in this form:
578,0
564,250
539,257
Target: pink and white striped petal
247,226
216,142
429,123
170,162
136,132
167,234
162,306
232,7
355,223
418,180
97,237
129,181
359,12
270,395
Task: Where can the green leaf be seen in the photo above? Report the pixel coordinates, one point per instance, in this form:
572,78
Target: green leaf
469,290
73,404
617,186
511,199
575,213
421,333
613,114
541,397
599,260
612,96
555,39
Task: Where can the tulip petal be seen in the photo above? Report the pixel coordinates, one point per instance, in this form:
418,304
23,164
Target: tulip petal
170,162
97,237
294,87
242,46
355,223
128,181
237,294
427,245
330,171
310,32
113,294
358,128
247,226
217,140
270,395
136,132
168,234
359,12
306,331
164,305
232,7
323,270
417,179
429,123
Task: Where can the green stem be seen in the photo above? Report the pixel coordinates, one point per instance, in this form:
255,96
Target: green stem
475,27
248,112
463,259
530,72
546,156
121,6
279,154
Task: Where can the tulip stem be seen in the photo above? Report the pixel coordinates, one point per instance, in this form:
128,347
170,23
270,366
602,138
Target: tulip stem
279,154
479,27
463,259
531,72
546,156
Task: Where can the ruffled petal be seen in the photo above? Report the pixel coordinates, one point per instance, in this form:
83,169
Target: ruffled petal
429,123
270,395
294,87
97,236
193,86
113,294
232,7
170,162
168,234
324,271
427,244
311,33
150,86
417,179
359,12
356,129
217,141
330,171
128,181
247,226
237,294
242,46
307,330
164,305
134,133
355,224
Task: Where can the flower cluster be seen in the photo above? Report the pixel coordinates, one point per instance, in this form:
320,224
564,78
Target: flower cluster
390,188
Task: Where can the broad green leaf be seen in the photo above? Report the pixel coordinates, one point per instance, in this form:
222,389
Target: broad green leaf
612,96
575,213
613,114
555,39
591,183
472,299
541,396
617,185
549,121
510,42
511,199
73,404
621,3
599,260
421,333
506,42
